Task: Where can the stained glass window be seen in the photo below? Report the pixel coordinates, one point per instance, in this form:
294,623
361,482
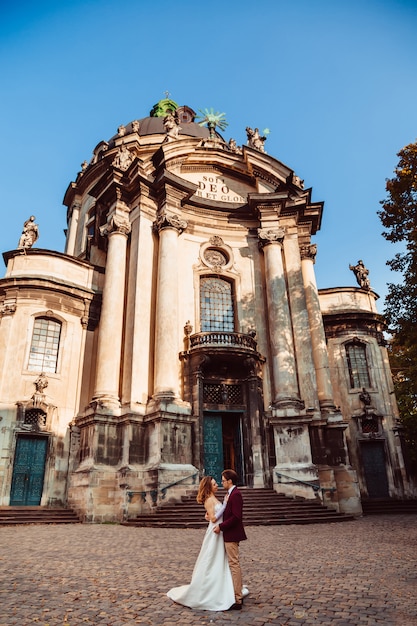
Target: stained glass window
43,356
357,365
216,305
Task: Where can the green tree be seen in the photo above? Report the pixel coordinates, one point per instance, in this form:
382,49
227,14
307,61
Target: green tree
399,217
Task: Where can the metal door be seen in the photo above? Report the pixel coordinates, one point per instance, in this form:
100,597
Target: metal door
213,446
28,471
373,458
223,444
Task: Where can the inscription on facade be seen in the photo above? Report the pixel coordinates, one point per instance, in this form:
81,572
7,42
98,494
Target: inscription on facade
219,188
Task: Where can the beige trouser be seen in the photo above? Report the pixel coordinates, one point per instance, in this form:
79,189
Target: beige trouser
232,551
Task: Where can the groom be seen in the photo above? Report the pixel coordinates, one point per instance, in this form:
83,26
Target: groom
233,532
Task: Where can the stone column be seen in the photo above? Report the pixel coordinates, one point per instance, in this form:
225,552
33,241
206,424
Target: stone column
279,321
318,338
166,315
72,228
300,321
111,319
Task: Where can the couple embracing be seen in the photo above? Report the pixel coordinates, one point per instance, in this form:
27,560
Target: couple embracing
216,582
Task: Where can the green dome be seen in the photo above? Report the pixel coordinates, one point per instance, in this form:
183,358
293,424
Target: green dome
161,108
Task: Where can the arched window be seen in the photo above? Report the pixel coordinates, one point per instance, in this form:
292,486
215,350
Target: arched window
216,305
357,365
43,356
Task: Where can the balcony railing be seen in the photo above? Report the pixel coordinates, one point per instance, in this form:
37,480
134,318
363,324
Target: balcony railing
223,339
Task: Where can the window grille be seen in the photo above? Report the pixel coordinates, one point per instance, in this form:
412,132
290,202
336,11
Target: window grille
370,425
358,366
216,305
43,356
36,418
222,394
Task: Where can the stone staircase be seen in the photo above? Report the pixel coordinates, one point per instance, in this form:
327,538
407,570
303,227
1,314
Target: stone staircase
13,515
262,507
388,506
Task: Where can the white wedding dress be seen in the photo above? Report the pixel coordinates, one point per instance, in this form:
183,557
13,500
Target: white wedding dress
211,586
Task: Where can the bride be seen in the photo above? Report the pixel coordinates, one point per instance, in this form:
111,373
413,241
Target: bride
211,586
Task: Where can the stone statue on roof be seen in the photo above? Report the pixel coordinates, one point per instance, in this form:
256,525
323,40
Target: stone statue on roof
361,273
255,140
171,125
30,233
123,158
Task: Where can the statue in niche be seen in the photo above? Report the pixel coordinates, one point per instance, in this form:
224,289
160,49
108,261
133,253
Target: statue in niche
123,159
30,233
172,127
255,140
361,273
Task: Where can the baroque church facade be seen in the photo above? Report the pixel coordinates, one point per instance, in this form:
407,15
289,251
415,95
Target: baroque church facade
182,332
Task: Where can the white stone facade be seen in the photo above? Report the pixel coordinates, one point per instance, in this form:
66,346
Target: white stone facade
189,335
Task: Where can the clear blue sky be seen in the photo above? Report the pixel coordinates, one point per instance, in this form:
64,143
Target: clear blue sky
335,81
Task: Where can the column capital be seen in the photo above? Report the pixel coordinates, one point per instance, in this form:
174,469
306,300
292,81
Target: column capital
308,252
164,220
270,235
116,224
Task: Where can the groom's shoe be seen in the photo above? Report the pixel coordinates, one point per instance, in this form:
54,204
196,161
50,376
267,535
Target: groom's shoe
235,607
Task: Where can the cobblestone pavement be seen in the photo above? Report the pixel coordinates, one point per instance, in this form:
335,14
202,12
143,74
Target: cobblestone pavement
357,573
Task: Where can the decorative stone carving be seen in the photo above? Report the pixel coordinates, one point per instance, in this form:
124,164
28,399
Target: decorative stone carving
84,166
297,181
271,235
172,127
188,329
8,309
30,233
41,384
135,126
169,221
215,258
117,224
361,273
121,131
309,252
255,140
365,397
216,240
123,159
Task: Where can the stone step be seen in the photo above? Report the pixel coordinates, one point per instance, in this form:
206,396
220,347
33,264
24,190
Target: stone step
13,515
262,507
388,506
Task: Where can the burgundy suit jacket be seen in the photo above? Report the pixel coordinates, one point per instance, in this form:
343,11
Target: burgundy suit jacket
232,526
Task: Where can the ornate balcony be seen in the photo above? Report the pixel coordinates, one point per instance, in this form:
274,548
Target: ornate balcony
218,339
